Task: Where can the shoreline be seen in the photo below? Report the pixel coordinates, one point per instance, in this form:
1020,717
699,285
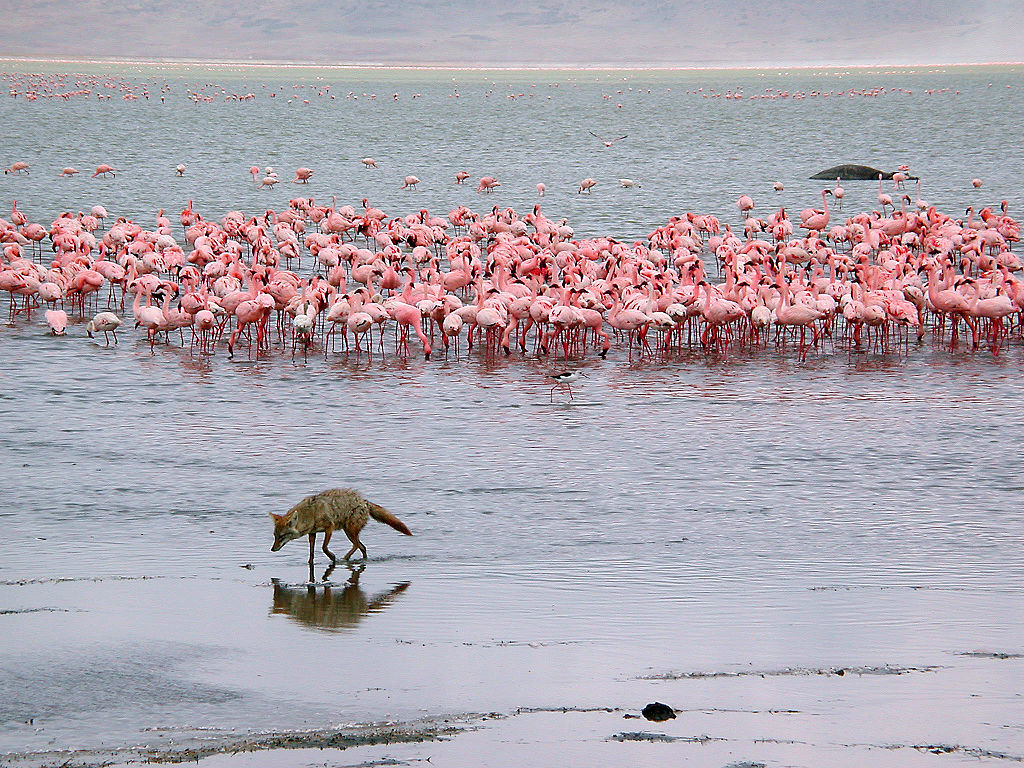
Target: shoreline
378,66
197,748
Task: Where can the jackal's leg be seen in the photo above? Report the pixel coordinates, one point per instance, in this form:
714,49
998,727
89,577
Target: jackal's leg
327,539
353,536
312,546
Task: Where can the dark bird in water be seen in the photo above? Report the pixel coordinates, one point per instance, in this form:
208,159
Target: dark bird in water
564,380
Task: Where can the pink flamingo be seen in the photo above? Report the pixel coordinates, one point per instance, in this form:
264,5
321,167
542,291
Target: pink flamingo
994,309
745,204
816,220
18,217
607,142
949,302
884,199
488,183
407,315
799,315
254,310
107,322
57,319
839,193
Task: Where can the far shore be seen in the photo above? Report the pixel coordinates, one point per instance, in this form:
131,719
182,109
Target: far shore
229,64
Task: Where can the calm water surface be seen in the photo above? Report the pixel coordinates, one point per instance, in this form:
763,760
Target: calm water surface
752,514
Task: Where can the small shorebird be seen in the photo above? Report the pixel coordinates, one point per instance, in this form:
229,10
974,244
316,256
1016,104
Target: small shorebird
606,142
564,379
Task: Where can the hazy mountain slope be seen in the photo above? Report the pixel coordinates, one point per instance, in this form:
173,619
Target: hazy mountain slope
541,32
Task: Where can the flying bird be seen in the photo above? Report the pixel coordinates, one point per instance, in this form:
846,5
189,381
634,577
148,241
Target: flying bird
605,141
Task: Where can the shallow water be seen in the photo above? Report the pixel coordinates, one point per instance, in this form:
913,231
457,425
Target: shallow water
752,514
686,151
686,517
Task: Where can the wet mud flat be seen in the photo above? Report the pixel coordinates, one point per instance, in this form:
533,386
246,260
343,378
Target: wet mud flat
197,748
600,736
934,707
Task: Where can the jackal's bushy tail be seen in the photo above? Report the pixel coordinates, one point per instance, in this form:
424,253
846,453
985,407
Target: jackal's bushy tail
381,515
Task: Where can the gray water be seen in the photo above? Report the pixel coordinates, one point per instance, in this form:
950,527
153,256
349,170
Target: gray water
723,535
687,152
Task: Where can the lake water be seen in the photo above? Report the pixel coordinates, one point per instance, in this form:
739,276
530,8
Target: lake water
816,563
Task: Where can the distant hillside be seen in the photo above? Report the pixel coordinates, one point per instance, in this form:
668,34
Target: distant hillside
536,32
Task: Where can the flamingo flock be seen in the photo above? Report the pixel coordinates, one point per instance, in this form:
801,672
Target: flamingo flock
344,279
33,86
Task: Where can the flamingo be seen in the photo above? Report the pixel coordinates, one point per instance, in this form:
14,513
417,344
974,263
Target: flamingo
815,220
57,319
745,204
105,322
488,183
799,315
883,199
607,142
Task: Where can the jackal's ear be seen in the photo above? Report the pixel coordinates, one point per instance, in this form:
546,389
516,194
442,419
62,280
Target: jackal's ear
275,517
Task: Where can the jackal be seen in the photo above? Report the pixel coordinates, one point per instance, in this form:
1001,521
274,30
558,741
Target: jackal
336,509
